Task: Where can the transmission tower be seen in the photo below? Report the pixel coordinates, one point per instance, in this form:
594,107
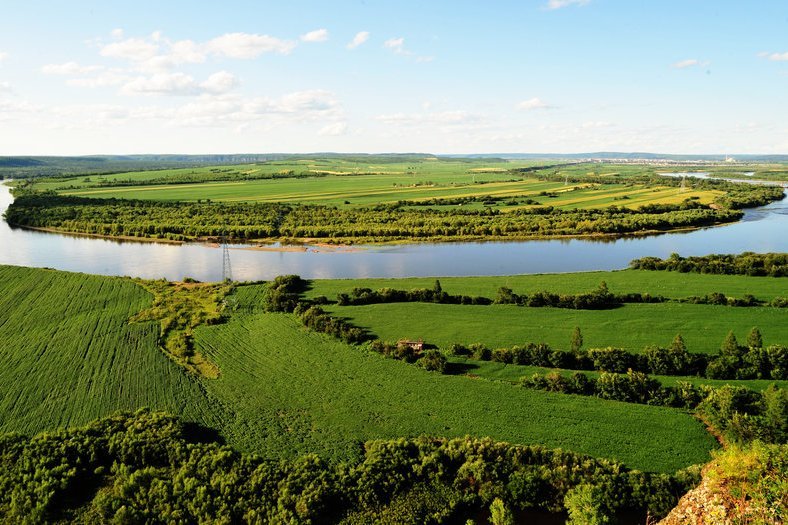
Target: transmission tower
227,269
683,187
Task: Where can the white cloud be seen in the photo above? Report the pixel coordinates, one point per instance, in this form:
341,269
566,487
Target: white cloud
360,38
3,55
533,104
245,45
450,118
558,4
775,57
162,84
179,84
333,130
158,54
318,35
113,77
220,82
396,44
117,33
5,87
311,101
683,64
68,68
134,49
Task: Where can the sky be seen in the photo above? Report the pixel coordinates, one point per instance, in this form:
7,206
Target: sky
528,76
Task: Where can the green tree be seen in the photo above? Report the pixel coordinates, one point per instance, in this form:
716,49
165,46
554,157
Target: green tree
500,513
585,506
678,344
730,347
755,340
577,340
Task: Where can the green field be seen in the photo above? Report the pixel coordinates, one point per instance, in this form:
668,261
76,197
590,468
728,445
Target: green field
668,284
631,327
70,355
344,183
297,391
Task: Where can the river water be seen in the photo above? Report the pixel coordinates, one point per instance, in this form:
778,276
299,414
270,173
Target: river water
762,230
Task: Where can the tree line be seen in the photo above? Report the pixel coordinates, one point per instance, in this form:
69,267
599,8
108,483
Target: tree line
752,360
248,221
747,263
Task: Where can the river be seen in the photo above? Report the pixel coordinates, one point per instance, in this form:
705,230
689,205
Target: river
763,229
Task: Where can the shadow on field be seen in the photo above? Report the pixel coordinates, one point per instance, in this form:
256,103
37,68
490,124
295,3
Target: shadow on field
197,433
457,369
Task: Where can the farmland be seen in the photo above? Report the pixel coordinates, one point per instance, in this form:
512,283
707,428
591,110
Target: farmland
284,390
344,183
69,354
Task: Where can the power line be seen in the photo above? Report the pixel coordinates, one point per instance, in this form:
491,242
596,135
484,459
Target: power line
227,269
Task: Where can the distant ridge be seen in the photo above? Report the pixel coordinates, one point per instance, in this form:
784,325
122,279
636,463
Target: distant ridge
27,166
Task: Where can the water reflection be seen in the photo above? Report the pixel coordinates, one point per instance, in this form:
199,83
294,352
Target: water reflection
762,230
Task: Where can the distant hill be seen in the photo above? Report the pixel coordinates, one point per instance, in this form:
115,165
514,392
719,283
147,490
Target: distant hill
610,155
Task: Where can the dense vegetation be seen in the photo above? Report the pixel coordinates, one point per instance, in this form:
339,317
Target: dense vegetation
748,263
180,308
148,467
245,221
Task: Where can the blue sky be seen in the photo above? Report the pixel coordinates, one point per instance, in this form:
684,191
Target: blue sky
685,76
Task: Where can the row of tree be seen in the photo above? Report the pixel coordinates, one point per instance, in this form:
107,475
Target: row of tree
734,361
361,296
747,263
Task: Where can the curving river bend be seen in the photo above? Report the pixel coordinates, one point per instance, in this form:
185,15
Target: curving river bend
763,229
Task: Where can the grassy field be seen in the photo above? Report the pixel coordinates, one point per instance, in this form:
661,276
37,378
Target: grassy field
68,354
632,326
668,284
296,391
346,183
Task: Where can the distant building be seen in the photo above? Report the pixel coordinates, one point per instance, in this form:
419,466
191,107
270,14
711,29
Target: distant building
416,345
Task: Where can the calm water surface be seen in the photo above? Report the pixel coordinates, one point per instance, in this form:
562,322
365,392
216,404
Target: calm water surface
762,230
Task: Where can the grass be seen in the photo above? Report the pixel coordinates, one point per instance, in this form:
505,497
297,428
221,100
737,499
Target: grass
668,284
632,326
69,355
295,391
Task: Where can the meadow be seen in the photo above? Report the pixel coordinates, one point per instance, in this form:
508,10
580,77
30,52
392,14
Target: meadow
293,390
669,284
